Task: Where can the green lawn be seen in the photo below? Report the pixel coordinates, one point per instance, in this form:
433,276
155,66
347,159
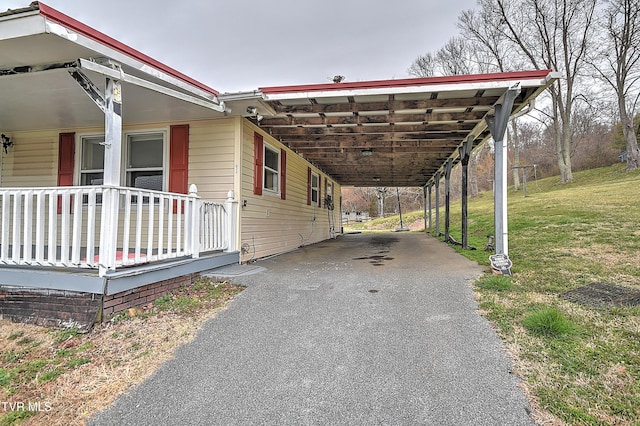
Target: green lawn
580,363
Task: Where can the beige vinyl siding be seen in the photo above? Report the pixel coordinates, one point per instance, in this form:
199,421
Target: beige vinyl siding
32,161
212,157
270,225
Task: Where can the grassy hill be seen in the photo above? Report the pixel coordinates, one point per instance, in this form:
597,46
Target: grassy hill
580,361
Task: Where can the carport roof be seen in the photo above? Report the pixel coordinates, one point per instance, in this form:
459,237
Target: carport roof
388,132
372,133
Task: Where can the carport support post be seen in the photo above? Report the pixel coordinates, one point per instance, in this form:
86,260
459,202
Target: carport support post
111,178
465,154
437,182
424,206
429,202
447,197
498,126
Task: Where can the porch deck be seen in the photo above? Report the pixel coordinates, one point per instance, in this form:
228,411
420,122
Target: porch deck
104,240
113,282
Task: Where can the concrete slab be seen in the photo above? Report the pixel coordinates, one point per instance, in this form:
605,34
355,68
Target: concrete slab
365,329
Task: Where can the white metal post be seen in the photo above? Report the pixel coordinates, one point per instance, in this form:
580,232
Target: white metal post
447,199
112,159
437,200
498,127
424,206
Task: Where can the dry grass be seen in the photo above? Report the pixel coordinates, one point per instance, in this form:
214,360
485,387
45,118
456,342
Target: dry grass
98,366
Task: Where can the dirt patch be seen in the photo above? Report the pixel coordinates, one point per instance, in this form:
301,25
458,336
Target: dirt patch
59,377
604,295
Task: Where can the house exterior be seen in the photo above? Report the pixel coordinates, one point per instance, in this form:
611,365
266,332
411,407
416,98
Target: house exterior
351,217
123,178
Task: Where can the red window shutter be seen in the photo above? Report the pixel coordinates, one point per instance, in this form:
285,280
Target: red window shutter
258,153
179,159
319,190
283,174
66,162
325,187
308,186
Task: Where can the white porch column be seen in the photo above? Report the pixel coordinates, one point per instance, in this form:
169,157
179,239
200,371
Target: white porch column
231,207
111,180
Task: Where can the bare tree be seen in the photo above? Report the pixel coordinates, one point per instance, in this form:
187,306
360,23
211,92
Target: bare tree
481,30
514,138
451,59
552,34
381,195
423,66
493,53
618,65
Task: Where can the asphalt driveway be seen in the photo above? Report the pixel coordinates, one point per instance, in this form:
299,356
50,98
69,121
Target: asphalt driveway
362,330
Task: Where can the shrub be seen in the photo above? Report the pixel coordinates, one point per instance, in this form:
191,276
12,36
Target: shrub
548,322
495,282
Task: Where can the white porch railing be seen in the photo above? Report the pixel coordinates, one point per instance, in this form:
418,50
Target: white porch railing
109,227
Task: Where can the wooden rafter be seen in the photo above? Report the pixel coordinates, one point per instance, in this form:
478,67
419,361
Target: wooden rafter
398,139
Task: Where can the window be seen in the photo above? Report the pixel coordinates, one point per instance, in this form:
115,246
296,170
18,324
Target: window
329,194
144,161
271,168
315,186
92,160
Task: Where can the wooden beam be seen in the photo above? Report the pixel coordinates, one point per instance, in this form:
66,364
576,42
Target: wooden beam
392,105
342,139
399,130
424,149
353,119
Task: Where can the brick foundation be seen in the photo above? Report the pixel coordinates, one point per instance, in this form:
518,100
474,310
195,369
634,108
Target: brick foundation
50,308
140,296
69,309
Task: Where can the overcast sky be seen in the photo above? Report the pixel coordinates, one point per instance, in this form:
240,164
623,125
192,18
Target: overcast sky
238,45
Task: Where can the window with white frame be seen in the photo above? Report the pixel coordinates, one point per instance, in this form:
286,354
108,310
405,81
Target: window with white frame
92,160
271,169
144,160
315,180
144,163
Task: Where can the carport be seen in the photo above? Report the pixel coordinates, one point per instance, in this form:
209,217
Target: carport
405,132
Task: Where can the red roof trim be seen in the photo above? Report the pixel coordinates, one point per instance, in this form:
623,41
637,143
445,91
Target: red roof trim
75,25
407,82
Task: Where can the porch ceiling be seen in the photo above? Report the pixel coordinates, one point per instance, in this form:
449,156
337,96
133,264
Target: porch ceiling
40,36
390,133
53,100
